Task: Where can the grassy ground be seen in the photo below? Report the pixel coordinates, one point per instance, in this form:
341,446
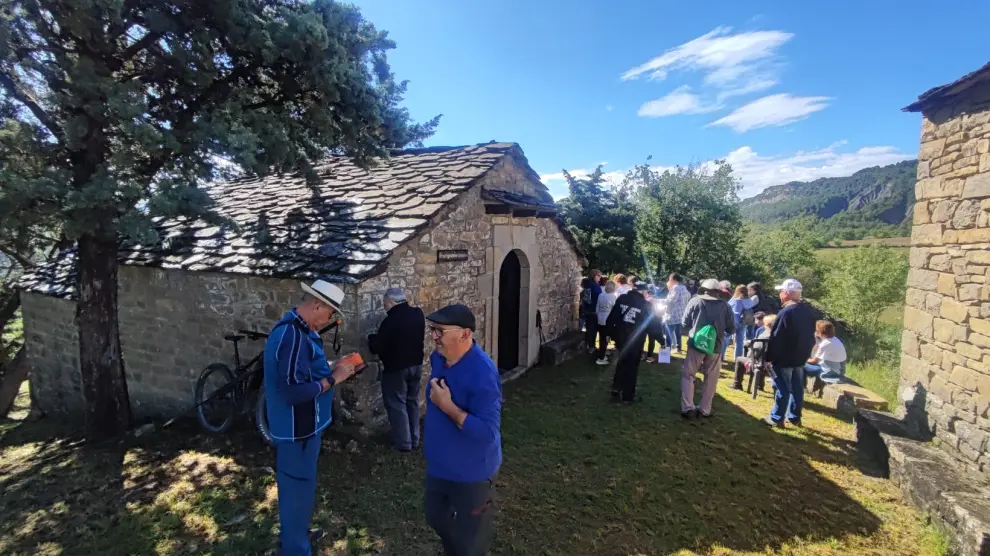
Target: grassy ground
581,476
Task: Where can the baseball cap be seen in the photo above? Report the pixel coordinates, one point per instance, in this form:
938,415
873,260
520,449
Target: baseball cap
790,285
453,315
325,292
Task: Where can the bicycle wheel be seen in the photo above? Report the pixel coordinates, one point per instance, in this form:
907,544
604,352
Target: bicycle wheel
261,418
216,408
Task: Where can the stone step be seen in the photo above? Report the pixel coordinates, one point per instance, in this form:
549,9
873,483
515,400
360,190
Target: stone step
928,478
848,397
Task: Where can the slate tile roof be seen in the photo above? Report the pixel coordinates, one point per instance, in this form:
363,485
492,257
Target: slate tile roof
341,229
937,96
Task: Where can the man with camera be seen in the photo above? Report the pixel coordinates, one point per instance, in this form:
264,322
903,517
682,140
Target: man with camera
299,385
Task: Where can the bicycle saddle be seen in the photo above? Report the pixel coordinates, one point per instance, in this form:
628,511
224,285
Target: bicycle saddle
234,337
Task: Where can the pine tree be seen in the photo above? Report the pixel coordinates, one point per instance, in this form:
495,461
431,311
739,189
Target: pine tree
120,107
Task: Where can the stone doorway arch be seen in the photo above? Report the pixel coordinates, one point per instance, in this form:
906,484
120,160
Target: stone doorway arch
513,311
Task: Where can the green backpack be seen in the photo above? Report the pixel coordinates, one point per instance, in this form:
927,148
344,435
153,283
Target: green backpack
704,340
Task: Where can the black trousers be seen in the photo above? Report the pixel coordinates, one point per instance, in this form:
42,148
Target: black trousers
652,341
740,374
590,329
462,514
602,342
627,372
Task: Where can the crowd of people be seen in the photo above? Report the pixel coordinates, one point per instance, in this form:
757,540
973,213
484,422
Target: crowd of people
463,447
779,337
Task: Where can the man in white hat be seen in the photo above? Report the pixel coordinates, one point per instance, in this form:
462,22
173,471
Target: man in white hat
299,394
708,316
792,338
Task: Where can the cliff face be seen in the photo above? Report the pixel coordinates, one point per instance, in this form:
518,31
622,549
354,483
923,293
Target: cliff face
881,194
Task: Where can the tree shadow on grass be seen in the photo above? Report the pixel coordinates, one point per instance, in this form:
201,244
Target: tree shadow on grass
585,476
180,491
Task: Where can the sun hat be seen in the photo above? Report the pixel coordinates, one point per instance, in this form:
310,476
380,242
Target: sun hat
325,292
710,287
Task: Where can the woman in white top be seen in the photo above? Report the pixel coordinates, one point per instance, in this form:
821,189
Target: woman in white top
829,360
605,302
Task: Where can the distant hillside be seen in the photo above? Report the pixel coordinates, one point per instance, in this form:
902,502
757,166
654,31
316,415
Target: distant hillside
873,201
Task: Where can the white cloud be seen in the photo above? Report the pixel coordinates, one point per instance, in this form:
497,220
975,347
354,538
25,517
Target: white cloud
756,172
680,101
723,55
773,110
608,107
733,64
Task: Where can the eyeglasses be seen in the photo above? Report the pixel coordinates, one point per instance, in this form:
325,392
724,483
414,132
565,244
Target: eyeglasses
437,332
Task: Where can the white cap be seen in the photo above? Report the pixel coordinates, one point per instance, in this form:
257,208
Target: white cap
325,292
790,285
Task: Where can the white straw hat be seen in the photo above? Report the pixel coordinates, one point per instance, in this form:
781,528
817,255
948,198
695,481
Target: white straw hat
325,292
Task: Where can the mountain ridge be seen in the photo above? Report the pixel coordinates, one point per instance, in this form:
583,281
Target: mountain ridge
872,201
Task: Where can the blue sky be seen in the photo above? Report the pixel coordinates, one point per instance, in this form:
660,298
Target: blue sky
791,90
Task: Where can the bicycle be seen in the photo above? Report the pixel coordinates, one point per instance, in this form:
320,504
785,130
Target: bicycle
239,391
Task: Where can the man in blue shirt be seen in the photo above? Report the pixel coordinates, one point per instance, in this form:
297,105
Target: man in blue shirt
792,338
299,394
463,440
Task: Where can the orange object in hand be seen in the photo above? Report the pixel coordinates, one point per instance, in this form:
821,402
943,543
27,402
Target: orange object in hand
356,360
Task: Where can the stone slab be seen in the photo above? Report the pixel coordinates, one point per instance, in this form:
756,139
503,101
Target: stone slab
563,348
929,479
849,397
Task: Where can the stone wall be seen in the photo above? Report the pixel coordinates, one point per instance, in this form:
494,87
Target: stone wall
946,341
52,343
172,324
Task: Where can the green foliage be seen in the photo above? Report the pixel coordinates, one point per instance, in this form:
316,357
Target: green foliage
688,219
874,202
784,252
112,112
863,282
602,218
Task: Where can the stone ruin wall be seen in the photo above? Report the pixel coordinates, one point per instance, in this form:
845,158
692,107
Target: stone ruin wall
946,338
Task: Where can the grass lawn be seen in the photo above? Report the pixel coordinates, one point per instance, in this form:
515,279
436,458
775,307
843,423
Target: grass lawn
581,476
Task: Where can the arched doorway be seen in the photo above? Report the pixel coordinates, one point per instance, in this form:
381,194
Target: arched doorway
513,309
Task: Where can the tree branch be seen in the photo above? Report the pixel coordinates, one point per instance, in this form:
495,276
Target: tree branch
147,40
217,92
8,83
17,256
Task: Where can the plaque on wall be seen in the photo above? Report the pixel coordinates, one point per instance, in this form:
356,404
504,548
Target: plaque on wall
452,255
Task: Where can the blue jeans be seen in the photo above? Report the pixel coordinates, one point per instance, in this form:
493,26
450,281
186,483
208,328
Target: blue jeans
295,476
789,396
829,377
673,333
400,394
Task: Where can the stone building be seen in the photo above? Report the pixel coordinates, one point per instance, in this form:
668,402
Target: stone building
467,224
945,365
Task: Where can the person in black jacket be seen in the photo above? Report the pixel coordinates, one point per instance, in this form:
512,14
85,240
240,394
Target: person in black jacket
792,338
628,323
399,345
